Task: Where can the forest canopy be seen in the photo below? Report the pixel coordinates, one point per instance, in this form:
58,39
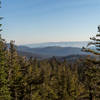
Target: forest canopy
48,79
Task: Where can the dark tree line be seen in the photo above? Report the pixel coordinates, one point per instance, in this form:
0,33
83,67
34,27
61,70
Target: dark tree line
49,79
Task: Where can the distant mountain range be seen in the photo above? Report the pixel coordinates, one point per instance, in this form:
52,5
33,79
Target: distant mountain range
70,50
78,44
46,52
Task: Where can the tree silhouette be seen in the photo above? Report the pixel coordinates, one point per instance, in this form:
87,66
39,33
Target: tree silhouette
95,42
92,72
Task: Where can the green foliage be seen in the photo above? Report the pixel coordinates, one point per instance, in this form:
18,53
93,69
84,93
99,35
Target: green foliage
95,42
4,90
92,80
49,79
91,70
4,86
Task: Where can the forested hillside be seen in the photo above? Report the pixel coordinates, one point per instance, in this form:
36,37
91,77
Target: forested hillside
30,79
52,51
23,78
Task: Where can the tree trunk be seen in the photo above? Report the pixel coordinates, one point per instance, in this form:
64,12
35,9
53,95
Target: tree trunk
16,95
30,92
91,96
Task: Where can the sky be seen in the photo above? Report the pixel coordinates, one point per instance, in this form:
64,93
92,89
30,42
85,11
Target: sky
36,21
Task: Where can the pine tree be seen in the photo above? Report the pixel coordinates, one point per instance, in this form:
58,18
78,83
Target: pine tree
50,85
92,71
91,76
96,43
4,88
74,88
34,79
15,73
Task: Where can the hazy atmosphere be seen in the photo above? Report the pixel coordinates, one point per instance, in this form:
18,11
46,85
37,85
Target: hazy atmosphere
36,21
49,49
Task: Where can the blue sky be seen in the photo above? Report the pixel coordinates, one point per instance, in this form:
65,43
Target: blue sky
35,21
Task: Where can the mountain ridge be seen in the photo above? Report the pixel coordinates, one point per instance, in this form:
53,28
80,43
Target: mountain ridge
52,51
61,44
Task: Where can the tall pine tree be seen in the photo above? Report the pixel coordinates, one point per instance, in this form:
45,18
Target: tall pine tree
92,71
4,90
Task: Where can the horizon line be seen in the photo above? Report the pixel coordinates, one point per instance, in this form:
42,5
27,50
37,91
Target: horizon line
48,42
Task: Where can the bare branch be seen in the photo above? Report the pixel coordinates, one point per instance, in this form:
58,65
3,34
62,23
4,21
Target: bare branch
97,45
90,50
93,43
93,38
98,35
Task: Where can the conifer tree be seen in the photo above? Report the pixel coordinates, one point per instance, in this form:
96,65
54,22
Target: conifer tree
34,80
92,71
96,43
15,74
4,90
91,80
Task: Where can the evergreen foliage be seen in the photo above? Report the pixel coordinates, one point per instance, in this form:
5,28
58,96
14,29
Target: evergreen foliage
4,87
48,79
92,71
95,42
